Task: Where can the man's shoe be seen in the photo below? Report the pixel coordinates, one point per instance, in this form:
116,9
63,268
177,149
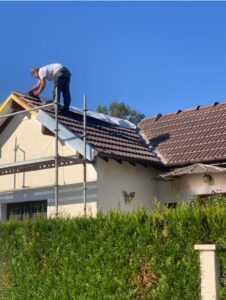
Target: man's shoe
65,109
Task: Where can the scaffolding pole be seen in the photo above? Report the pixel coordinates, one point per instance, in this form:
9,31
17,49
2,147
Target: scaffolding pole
56,186
56,157
84,157
15,159
16,148
25,111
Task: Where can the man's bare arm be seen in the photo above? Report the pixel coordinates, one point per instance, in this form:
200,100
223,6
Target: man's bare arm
41,86
35,87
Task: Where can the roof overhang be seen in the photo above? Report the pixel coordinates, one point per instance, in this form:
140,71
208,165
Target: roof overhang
7,106
192,169
65,135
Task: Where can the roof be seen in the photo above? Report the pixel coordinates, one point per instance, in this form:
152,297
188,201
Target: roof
109,140
193,169
190,136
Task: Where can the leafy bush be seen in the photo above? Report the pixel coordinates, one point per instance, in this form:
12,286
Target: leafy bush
141,255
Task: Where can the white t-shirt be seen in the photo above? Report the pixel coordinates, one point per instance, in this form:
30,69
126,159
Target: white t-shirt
48,72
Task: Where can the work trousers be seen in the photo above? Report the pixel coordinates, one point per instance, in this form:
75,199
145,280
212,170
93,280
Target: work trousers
62,82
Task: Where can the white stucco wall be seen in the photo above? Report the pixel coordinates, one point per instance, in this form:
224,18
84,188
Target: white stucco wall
26,132
181,189
113,178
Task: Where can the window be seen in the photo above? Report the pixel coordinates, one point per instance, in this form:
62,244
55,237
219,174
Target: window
27,210
171,205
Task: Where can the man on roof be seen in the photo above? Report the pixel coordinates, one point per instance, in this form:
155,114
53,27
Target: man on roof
60,77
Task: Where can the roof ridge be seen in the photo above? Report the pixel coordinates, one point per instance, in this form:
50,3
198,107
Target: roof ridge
122,123
158,116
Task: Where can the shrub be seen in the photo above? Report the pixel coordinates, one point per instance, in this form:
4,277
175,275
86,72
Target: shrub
140,255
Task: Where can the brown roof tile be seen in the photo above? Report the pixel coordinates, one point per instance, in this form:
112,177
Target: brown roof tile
189,136
111,141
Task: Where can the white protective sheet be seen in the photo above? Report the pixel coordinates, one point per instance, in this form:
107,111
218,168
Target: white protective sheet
105,118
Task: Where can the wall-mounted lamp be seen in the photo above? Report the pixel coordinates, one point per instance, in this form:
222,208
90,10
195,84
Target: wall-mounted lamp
207,178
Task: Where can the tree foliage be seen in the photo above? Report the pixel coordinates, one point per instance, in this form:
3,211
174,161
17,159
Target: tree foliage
102,109
122,111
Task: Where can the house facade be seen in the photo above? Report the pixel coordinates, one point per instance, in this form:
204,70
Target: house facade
127,166
112,171
192,146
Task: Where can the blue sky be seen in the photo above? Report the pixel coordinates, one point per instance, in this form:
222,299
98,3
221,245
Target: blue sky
154,56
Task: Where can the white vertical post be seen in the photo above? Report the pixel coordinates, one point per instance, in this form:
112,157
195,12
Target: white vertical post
209,271
84,157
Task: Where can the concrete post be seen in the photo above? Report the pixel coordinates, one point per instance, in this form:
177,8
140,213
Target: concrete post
209,271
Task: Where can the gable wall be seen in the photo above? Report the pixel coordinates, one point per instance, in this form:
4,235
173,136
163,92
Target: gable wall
26,132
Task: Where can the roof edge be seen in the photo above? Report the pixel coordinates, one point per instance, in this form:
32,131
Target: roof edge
158,116
70,138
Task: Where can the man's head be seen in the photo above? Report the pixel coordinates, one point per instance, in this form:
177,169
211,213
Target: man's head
35,72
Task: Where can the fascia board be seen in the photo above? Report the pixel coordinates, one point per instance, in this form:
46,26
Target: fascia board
5,107
66,135
5,103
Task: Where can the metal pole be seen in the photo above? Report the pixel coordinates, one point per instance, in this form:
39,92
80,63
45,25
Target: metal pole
84,157
24,156
24,111
24,153
16,146
15,159
56,186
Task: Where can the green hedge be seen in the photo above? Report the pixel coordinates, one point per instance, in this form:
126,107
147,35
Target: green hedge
140,255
